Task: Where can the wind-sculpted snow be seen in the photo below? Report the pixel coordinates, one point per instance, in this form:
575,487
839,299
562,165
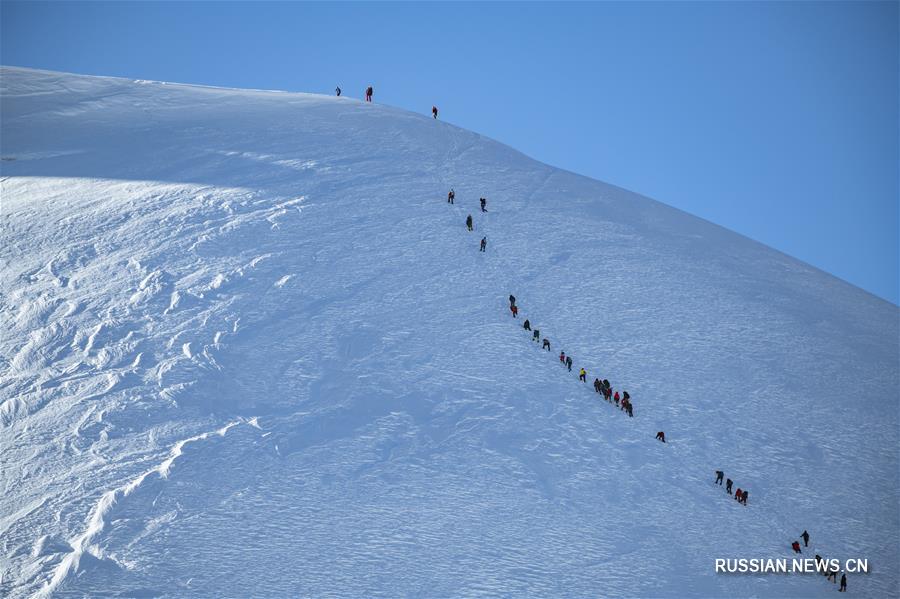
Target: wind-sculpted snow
82,544
250,350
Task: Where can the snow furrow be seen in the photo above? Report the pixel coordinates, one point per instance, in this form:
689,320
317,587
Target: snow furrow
84,542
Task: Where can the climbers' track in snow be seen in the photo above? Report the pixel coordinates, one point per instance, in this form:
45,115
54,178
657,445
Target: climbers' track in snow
177,259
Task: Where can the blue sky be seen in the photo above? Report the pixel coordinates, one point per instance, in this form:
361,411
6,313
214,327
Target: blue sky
776,120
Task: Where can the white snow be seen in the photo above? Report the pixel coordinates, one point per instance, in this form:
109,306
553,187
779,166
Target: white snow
249,350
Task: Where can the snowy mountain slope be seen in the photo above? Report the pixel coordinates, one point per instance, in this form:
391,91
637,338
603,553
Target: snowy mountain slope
249,349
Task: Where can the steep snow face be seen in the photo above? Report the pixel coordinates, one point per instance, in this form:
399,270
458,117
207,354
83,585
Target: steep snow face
250,349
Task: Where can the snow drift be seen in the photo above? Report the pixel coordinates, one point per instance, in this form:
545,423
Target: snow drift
249,349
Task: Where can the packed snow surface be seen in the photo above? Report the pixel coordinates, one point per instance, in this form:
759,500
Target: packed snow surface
249,349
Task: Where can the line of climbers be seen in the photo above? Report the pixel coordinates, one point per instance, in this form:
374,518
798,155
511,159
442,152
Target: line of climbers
739,495
470,225
370,91
828,569
602,387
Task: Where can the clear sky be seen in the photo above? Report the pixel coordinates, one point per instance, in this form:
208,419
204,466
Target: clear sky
776,120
